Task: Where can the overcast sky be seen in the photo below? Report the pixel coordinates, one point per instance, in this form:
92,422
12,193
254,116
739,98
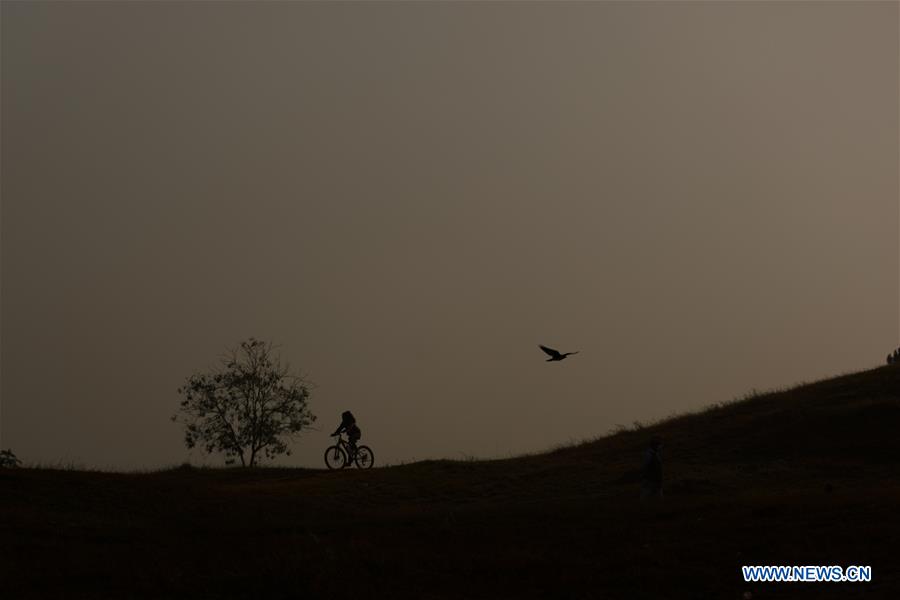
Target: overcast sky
408,198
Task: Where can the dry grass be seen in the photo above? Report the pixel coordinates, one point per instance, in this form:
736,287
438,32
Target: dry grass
800,476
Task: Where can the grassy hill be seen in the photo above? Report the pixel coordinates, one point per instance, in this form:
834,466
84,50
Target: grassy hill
806,476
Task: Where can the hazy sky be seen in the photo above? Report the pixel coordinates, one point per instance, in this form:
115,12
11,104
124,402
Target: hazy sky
702,198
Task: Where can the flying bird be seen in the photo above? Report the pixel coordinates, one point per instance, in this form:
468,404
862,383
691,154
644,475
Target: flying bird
555,354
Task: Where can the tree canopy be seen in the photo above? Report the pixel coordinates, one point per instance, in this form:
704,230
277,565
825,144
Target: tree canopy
248,407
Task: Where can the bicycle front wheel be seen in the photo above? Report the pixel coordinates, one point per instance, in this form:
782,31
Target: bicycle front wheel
365,458
335,458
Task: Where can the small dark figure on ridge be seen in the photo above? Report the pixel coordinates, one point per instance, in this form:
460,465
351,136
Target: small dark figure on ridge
348,425
651,472
893,358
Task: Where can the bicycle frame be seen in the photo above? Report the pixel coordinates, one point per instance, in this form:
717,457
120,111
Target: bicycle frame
351,454
344,445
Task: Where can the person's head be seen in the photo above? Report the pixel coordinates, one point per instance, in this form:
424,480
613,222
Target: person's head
347,416
656,442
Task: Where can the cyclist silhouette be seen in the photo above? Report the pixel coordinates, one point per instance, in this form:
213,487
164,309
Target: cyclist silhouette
348,424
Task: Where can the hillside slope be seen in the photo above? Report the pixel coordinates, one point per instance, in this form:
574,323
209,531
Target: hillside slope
806,476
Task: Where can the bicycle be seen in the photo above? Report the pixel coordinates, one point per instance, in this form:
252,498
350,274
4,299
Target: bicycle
341,455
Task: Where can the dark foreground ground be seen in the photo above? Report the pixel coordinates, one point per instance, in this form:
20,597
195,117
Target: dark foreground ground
807,476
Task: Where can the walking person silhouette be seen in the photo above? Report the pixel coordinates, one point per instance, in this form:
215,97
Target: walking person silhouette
651,472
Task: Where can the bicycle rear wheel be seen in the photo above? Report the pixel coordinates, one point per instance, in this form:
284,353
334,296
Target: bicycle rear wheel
365,458
335,457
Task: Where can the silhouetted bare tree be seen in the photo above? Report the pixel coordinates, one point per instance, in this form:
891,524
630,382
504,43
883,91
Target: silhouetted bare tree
250,406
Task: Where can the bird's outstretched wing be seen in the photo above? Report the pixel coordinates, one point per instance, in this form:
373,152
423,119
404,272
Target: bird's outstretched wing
549,351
